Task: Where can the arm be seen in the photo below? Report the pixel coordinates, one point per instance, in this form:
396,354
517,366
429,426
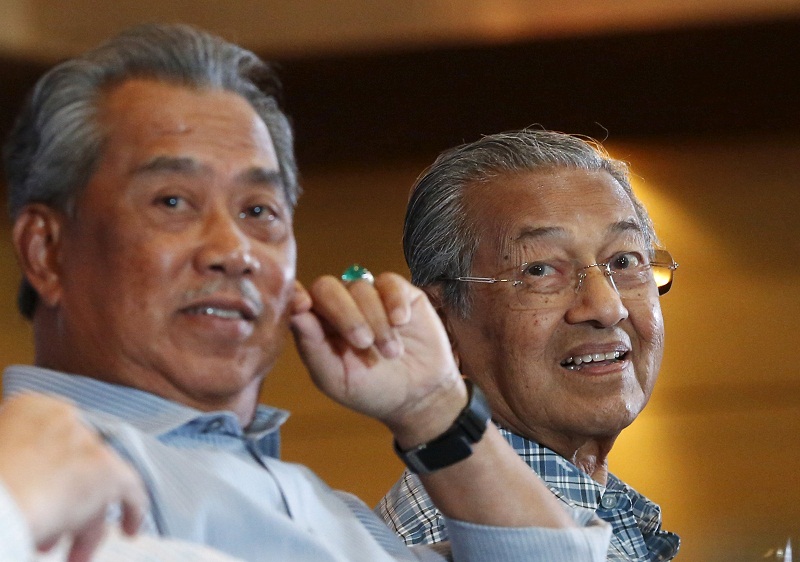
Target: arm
382,351
59,477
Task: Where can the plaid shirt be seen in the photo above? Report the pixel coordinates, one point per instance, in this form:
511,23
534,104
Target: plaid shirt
635,520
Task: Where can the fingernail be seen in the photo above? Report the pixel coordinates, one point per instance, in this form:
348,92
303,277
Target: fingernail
361,337
398,316
391,349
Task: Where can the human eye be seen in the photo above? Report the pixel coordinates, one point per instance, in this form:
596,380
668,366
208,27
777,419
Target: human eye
538,270
266,221
168,207
542,277
626,261
260,212
171,202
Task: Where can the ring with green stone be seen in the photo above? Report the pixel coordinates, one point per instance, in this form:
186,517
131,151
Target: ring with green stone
357,273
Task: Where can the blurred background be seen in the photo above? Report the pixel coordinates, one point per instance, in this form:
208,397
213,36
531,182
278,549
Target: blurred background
700,96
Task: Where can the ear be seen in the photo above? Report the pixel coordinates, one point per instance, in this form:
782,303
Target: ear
37,242
434,294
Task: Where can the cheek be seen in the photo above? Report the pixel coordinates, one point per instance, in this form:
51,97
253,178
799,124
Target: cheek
278,267
148,264
648,323
527,338
648,337
533,328
142,280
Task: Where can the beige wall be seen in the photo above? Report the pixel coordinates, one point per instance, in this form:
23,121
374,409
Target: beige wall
718,446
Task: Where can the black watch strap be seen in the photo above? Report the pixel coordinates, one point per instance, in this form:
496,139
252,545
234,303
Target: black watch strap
455,444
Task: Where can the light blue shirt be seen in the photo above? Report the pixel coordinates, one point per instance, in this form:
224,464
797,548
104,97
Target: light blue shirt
213,482
16,543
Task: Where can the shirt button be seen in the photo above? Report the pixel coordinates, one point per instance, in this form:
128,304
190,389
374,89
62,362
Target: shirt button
609,501
214,425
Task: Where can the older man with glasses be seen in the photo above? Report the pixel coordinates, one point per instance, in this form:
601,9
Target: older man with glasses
547,272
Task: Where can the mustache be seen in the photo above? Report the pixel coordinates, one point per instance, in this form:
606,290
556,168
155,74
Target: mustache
243,287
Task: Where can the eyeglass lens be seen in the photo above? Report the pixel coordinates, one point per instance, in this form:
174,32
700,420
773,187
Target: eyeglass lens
631,275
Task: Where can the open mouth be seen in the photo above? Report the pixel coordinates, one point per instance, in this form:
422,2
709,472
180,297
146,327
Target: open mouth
575,363
219,312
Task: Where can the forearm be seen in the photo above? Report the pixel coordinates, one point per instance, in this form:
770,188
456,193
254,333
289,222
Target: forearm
490,486
587,541
494,487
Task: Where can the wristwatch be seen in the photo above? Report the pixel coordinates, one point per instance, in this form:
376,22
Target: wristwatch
455,444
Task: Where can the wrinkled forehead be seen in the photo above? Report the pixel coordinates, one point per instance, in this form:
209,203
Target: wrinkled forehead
553,206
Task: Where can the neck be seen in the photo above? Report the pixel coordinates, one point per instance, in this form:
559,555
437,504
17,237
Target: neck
588,453
591,458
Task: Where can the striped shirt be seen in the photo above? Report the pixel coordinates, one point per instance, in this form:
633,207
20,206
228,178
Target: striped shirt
16,543
635,520
213,482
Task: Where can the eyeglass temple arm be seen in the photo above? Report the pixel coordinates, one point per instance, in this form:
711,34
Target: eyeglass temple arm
478,279
673,266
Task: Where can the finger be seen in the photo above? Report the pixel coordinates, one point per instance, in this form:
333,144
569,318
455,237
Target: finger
397,295
337,309
371,304
125,485
47,545
301,300
134,502
315,348
87,540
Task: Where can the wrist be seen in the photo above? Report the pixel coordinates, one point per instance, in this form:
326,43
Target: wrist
431,414
455,443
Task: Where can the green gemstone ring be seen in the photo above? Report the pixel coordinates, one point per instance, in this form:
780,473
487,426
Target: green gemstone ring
357,273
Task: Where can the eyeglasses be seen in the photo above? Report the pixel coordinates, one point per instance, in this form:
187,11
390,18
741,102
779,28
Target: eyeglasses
541,284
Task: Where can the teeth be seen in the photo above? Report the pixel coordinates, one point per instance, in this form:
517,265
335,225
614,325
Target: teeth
219,312
573,362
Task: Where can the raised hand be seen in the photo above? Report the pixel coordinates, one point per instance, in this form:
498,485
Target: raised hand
380,350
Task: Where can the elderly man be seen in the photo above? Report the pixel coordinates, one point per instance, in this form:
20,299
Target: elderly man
543,266
152,185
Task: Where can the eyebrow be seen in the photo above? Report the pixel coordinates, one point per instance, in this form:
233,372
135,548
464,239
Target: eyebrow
171,164
540,232
629,225
263,176
185,165
537,233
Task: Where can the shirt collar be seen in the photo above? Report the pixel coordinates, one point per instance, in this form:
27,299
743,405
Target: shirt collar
146,412
563,478
577,489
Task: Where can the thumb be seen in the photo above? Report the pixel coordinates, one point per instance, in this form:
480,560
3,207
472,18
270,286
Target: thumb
301,300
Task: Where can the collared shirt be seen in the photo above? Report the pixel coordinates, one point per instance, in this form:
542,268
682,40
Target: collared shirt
635,520
16,543
213,482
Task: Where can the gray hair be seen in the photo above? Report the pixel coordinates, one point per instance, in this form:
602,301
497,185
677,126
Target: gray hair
57,142
439,240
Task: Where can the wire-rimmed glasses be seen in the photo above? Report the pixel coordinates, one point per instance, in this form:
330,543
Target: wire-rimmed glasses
548,283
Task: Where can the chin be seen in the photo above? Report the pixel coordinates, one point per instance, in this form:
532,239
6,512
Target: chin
610,424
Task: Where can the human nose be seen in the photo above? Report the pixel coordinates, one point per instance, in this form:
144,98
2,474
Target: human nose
225,247
596,298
